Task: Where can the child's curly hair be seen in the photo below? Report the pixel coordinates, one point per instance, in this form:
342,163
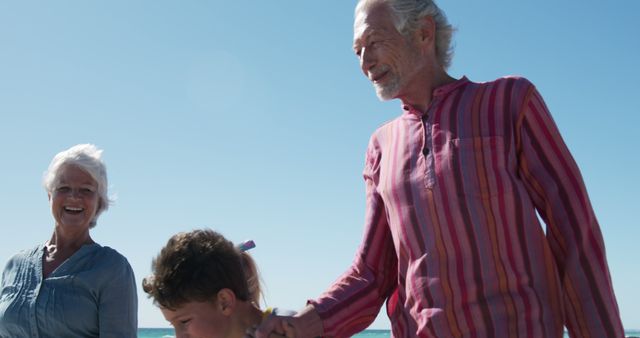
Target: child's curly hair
195,265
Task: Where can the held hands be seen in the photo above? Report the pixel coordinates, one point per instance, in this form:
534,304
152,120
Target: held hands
305,324
273,326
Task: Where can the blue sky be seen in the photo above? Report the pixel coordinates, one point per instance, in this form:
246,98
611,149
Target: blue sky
252,118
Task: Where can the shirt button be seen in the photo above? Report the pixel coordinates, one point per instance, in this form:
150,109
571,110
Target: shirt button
425,151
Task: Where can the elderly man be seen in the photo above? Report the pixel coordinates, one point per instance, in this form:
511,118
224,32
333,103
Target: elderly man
452,241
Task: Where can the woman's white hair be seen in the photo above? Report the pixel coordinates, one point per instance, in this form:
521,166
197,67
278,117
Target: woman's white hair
88,158
407,15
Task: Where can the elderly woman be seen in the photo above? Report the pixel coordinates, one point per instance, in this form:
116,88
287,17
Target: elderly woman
70,286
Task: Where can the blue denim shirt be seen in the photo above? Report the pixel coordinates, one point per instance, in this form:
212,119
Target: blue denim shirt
91,294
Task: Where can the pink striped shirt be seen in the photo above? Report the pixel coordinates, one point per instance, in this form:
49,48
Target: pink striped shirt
451,237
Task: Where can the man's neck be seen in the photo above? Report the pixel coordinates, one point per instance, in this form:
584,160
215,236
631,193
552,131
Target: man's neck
422,91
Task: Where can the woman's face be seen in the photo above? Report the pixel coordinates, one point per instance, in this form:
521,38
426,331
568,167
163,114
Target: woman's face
74,199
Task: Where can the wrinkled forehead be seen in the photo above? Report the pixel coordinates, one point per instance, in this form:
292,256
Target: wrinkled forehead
359,26
371,16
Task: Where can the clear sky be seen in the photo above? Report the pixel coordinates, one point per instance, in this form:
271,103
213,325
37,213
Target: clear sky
252,118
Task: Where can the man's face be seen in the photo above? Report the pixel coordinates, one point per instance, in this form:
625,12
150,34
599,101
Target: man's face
387,58
198,320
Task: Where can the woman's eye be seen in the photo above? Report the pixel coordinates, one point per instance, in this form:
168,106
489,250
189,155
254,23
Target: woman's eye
63,189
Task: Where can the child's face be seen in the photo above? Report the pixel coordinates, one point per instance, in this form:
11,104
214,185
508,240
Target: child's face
198,320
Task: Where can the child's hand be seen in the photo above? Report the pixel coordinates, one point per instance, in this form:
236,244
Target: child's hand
304,324
278,326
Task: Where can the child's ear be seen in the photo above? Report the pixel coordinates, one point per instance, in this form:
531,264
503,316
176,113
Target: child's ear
226,301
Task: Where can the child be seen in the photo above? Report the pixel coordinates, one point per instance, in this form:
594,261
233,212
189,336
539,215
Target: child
205,286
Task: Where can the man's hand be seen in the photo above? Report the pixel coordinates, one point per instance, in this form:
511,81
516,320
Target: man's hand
272,327
304,324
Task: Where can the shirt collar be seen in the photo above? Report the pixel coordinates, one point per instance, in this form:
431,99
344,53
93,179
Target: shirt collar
438,93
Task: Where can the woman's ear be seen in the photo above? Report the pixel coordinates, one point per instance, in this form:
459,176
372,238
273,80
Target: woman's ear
226,301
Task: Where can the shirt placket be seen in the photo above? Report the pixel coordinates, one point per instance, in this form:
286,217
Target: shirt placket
427,146
33,324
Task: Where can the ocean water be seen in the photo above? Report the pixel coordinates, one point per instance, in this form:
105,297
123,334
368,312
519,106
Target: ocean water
168,333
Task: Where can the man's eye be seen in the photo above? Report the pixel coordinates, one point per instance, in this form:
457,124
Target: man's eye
63,189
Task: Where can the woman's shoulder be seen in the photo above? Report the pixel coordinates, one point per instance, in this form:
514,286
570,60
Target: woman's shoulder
22,260
109,256
26,254
105,266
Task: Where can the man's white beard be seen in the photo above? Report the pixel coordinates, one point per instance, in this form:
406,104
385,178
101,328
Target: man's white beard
388,90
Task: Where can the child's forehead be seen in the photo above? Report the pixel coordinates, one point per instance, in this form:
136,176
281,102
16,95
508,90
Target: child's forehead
188,308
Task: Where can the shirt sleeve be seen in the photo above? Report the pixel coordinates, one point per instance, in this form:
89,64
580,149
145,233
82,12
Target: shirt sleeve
556,187
118,304
355,298
14,317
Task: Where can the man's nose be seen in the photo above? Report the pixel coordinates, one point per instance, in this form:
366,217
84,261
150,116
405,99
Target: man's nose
366,60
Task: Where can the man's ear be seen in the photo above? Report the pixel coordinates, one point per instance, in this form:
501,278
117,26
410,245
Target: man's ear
427,31
226,301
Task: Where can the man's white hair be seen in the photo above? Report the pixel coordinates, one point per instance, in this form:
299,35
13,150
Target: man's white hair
407,15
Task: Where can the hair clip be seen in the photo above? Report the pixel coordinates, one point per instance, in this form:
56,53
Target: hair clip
246,245
147,283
